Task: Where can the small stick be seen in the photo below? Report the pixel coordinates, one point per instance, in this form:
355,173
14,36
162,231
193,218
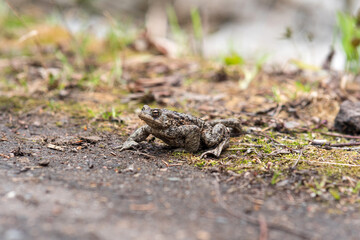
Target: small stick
331,163
250,145
245,145
145,154
297,160
175,164
5,156
339,135
167,165
278,110
236,149
335,144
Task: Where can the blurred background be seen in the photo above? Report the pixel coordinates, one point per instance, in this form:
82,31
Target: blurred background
278,30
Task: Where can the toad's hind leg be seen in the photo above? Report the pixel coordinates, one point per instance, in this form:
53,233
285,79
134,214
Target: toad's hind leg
219,136
232,123
217,151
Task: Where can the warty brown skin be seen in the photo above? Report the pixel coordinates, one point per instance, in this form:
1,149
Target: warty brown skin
183,131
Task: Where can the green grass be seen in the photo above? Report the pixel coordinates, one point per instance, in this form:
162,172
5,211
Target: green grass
233,59
350,40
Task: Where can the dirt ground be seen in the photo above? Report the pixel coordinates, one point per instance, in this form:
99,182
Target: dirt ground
86,190
67,100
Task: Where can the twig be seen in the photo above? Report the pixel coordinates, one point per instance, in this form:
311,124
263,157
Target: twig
339,135
348,148
175,164
167,165
297,160
5,156
254,221
236,149
245,145
145,154
335,144
278,110
331,163
250,145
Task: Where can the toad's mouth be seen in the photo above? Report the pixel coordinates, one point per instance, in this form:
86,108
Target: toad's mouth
154,123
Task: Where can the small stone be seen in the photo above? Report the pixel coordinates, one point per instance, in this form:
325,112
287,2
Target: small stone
282,183
291,125
90,164
37,124
247,175
11,194
348,119
54,147
130,168
174,179
63,93
44,162
91,139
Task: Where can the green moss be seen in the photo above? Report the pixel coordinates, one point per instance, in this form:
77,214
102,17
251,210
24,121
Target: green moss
324,178
17,104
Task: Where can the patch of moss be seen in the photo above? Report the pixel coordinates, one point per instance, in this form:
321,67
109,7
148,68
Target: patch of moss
18,103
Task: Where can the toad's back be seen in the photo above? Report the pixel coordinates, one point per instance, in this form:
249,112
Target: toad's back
180,119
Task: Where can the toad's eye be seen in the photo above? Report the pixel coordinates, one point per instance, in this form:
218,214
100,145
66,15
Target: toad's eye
155,113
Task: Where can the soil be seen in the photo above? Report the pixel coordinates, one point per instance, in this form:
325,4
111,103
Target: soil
67,101
87,190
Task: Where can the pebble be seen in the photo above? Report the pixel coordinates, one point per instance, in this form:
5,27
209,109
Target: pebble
90,164
11,194
174,179
44,162
91,139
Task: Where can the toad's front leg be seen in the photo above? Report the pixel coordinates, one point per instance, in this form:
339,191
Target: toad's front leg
133,141
192,137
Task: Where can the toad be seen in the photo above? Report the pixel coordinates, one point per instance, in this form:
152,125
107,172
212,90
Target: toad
184,131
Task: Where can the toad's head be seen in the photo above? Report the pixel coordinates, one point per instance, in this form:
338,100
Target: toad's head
156,118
